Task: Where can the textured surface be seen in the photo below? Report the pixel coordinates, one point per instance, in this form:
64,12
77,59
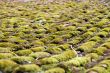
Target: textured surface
67,37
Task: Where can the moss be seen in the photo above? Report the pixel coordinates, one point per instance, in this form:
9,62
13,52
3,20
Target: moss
57,40
49,60
106,29
55,70
23,52
54,50
106,44
23,59
49,66
92,56
40,31
96,39
38,43
29,68
87,47
81,28
64,46
103,34
6,55
77,61
65,55
100,50
5,49
7,66
72,28
67,36
75,41
74,33
7,44
102,22
93,29
87,34
104,64
39,54
97,70
38,49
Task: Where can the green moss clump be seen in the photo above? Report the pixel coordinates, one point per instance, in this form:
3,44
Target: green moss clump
23,52
81,28
77,61
23,59
92,56
38,49
87,47
39,55
55,70
29,68
49,60
96,39
102,34
5,50
87,34
57,40
38,43
97,69
6,55
93,29
106,44
7,66
102,22
64,46
100,50
54,50
65,55
107,29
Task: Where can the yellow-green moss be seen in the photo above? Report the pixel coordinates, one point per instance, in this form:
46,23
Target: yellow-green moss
38,49
7,66
49,60
87,47
23,59
23,52
100,50
29,68
65,55
55,70
6,55
39,54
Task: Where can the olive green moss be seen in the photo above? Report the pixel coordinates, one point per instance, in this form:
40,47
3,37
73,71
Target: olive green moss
7,66
65,55
6,55
97,70
29,68
23,52
23,59
100,50
56,37
49,60
78,61
39,55
106,44
38,49
87,47
55,70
